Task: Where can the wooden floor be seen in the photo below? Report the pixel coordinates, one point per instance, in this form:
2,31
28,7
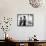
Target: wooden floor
26,43
4,43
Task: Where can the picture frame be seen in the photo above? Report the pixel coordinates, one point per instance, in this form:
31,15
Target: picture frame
25,19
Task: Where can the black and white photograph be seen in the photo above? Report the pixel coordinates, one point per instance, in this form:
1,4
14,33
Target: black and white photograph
25,19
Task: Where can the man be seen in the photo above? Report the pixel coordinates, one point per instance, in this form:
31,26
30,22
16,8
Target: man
24,21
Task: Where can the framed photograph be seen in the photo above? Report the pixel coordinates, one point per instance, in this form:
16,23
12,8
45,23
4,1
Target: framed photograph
25,20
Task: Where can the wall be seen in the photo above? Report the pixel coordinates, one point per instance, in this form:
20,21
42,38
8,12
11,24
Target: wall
10,8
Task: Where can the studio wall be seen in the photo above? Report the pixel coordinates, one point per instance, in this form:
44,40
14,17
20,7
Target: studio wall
10,8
